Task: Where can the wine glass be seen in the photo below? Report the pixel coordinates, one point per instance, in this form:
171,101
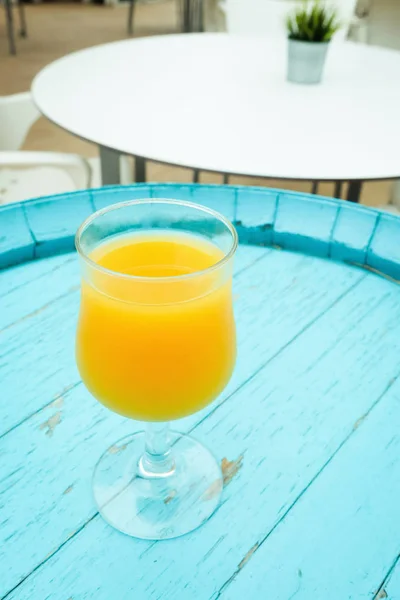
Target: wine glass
156,342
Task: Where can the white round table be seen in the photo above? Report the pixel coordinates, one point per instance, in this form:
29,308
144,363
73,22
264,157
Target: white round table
217,102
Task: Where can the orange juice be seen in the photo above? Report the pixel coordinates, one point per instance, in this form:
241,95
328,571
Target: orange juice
153,346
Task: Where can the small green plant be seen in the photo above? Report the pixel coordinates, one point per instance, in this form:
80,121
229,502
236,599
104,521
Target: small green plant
312,22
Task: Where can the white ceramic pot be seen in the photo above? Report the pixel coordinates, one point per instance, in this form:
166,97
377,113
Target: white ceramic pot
306,61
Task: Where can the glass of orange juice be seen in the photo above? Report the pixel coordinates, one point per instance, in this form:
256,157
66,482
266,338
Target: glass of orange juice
156,342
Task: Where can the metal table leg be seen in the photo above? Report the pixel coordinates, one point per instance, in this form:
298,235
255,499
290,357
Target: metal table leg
140,169
10,26
109,160
354,191
338,189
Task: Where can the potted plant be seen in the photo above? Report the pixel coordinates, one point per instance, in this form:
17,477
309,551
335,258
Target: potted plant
310,29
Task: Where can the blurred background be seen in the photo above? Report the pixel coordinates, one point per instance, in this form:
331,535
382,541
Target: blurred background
56,28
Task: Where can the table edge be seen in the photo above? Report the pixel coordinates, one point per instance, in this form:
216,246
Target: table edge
314,225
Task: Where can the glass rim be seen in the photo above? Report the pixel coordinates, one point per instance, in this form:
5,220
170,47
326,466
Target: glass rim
118,205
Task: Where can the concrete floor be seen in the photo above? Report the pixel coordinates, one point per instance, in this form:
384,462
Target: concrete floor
58,29
384,23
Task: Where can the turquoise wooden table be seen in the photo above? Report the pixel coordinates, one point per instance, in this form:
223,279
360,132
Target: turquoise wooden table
307,431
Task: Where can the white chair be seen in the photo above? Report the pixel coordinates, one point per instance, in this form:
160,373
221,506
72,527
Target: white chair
26,175
269,16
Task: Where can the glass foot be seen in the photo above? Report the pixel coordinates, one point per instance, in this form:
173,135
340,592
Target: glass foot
157,508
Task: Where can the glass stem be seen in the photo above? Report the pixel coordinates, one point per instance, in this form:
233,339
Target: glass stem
157,460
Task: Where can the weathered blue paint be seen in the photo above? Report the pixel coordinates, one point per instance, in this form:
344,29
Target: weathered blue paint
25,289
255,215
341,536
54,224
310,224
219,198
17,243
384,248
112,194
309,422
352,233
175,191
304,225
391,584
42,323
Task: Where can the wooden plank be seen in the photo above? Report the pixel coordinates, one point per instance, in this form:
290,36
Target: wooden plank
112,194
24,289
55,220
390,588
17,243
219,198
247,256
255,215
340,538
256,206
40,343
28,287
290,302
68,427
286,423
304,223
37,359
314,225
174,191
20,275
274,429
353,232
384,249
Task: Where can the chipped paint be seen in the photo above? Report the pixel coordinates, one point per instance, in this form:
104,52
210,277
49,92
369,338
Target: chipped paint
359,421
375,271
115,449
230,468
38,311
248,556
51,423
213,490
58,402
170,496
58,399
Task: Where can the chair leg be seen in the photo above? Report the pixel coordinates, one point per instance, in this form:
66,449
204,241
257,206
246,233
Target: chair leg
22,20
130,16
354,191
10,26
